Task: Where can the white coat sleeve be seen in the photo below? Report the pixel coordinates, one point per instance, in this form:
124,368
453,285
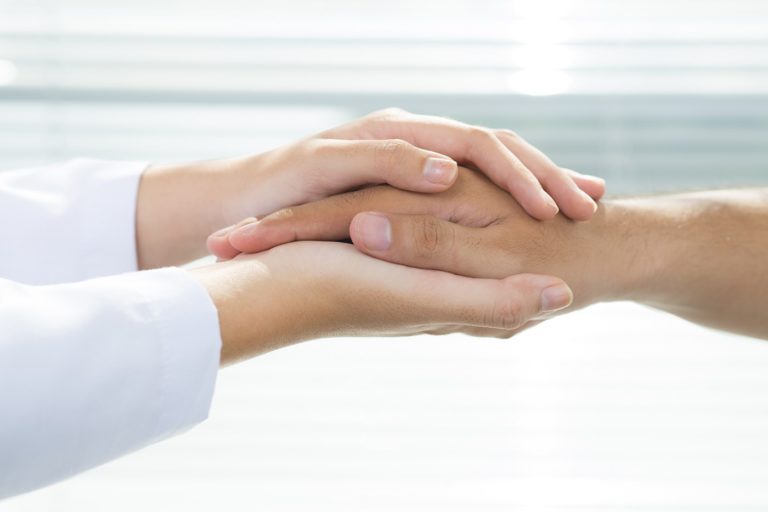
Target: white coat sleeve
95,369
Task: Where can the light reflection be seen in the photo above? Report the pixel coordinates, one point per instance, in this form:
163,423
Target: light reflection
8,72
542,55
540,81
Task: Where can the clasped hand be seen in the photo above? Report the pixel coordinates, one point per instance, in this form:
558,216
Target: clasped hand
438,241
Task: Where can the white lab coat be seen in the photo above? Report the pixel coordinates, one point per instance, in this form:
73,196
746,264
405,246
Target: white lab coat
91,367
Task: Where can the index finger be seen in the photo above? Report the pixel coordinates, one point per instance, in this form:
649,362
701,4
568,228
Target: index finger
327,219
465,144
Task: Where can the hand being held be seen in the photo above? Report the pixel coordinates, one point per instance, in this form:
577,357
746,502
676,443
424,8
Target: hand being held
475,229
335,289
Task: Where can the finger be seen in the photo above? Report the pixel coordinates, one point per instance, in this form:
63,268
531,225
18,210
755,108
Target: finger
592,185
422,241
573,201
463,143
327,219
500,304
218,243
339,165
489,153
428,299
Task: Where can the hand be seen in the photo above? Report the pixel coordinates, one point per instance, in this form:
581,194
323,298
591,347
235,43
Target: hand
506,158
180,205
310,290
698,255
474,229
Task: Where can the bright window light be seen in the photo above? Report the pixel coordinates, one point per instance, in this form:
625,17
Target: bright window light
8,72
540,81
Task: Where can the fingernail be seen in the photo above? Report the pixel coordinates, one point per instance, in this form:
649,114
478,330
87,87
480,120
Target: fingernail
222,232
550,202
555,298
440,171
247,230
375,231
591,201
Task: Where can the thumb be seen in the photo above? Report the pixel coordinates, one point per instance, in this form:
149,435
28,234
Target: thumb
423,241
506,304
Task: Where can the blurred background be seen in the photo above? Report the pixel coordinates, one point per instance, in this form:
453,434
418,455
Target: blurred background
612,408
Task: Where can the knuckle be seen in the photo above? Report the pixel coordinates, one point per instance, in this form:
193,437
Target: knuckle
507,133
392,153
388,112
318,148
479,133
429,237
478,140
357,198
508,313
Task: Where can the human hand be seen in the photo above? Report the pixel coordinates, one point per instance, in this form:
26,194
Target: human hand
417,153
474,229
309,290
504,156
180,205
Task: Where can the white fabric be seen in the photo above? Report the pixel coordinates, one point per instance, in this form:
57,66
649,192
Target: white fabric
91,370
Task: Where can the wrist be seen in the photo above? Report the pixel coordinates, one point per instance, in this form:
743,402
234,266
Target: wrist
622,257
179,205
263,306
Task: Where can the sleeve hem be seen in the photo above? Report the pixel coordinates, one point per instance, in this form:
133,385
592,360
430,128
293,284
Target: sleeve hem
190,349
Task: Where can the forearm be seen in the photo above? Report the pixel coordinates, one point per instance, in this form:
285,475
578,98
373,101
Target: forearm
178,206
257,312
702,256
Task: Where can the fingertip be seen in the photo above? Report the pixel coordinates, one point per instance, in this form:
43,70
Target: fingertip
552,293
574,202
542,207
584,208
599,188
555,298
594,186
220,247
262,235
243,238
440,172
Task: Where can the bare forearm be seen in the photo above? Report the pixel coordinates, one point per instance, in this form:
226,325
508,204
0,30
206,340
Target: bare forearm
180,205
702,256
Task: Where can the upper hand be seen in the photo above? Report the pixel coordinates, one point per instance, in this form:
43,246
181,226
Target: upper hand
178,206
410,152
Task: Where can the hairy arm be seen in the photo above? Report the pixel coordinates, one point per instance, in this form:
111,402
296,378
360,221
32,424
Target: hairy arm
702,256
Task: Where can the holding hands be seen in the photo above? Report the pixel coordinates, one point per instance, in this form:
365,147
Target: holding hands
390,161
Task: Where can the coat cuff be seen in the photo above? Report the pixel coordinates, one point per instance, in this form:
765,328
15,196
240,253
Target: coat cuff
189,337
107,366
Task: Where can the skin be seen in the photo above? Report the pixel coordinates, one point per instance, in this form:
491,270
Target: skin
180,205
310,290
701,256
319,289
